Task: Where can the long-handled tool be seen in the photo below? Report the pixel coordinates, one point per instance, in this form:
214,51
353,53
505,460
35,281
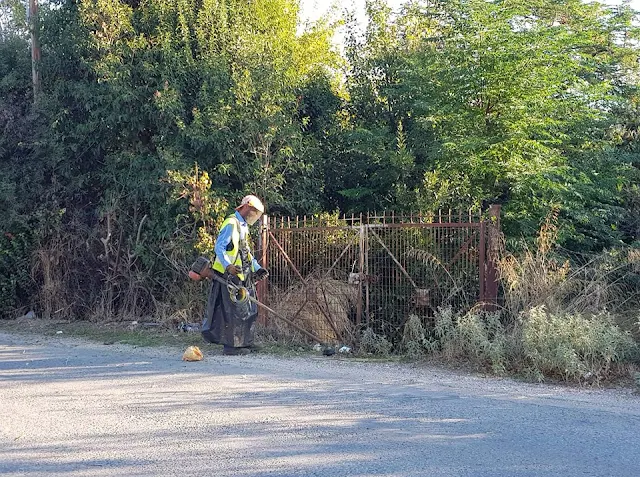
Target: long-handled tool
202,269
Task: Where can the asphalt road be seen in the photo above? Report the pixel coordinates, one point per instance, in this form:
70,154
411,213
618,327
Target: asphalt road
69,407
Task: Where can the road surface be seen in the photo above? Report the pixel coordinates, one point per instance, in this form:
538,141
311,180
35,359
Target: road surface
74,408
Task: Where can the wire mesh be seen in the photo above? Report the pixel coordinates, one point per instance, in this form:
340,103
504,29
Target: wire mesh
311,264
338,275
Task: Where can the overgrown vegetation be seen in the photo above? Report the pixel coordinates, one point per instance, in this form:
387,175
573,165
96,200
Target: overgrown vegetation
155,116
558,321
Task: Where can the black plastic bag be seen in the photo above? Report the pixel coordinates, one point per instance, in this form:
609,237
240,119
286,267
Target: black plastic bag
226,322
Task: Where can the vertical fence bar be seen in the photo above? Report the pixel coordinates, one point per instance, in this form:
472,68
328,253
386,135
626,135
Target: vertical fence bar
361,273
366,272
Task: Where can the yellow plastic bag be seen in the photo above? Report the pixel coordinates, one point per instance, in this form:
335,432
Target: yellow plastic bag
192,353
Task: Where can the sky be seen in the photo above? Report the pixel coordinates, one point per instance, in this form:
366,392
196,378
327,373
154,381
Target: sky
312,9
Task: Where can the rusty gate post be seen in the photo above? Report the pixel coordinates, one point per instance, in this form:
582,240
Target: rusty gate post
361,275
262,287
491,269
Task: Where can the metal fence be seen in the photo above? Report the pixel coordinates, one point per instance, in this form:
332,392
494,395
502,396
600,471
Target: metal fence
336,276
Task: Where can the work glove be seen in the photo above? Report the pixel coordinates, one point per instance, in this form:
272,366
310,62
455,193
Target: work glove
261,274
234,270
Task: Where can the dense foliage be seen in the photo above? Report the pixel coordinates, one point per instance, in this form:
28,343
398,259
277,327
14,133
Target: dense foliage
531,104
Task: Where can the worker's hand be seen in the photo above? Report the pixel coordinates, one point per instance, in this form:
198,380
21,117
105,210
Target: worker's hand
234,270
261,274
234,280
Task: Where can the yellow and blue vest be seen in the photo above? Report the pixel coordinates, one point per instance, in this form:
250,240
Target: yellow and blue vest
230,244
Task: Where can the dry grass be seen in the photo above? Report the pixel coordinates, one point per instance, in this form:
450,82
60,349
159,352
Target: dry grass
277,334
540,277
323,307
533,277
51,269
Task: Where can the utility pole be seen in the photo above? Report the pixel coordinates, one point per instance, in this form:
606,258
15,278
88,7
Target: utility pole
34,27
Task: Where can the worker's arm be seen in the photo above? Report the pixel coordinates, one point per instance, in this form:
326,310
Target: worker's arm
259,273
224,239
255,266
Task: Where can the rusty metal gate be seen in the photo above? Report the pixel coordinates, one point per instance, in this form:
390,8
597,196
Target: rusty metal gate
336,276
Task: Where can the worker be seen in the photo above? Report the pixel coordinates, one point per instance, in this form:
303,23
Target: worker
228,320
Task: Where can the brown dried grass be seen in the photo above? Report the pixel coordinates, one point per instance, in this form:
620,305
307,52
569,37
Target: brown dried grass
539,276
322,307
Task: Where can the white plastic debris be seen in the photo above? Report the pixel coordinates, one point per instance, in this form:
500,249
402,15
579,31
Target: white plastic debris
344,349
58,332
317,347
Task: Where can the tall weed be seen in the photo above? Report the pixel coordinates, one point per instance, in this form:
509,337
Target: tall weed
574,347
414,342
534,277
542,276
373,343
477,337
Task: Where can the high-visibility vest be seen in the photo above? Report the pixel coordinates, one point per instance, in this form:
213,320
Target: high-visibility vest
234,246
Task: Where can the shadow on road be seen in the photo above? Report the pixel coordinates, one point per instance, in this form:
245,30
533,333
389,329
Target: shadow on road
88,410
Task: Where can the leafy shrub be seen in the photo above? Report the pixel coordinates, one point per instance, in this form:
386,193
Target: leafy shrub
15,279
573,346
414,338
371,342
478,337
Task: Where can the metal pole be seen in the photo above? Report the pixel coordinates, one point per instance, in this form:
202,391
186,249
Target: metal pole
361,274
35,47
482,262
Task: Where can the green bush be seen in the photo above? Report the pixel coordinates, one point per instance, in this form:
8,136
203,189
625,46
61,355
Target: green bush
542,345
16,284
574,347
477,337
373,343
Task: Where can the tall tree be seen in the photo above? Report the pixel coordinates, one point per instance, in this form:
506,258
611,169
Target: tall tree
508,101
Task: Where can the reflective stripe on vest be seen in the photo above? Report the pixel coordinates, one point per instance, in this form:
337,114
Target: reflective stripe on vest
235,242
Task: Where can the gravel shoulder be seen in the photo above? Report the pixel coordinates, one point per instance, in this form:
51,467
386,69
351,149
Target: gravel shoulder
74,407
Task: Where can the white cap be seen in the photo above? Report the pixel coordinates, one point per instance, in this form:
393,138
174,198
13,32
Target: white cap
252,201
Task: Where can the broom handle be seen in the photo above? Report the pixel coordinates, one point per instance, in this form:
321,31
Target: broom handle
270,310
